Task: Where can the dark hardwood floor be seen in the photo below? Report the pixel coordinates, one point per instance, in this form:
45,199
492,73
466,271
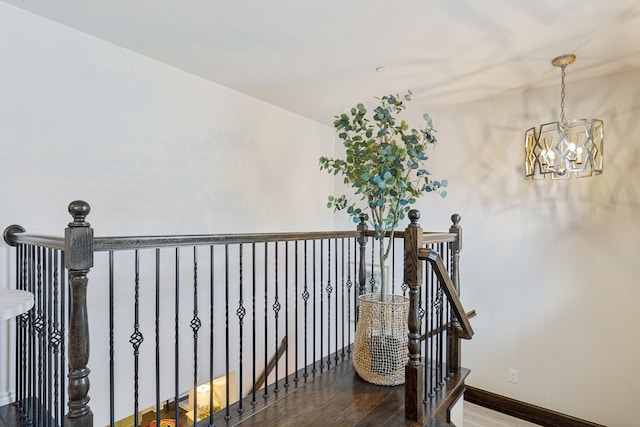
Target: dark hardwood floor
8,416
335,397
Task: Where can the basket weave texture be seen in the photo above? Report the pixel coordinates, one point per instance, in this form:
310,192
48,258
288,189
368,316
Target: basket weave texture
381,343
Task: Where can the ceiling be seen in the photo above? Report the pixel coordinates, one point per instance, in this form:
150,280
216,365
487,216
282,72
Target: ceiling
317,57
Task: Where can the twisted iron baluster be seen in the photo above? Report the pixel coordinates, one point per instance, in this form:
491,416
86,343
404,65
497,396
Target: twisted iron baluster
241,312
266,303
295,293
286,312
195,324
136,337
328,289
314,370
349,286
212,301
253,272
112,417
276,311
305,298
39,327
56,338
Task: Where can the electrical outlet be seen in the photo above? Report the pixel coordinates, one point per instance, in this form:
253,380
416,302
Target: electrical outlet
513,376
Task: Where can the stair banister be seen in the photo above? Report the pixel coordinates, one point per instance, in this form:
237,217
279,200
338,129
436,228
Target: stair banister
413,386
78,261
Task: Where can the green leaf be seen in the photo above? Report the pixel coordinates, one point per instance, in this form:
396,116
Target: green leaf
384,160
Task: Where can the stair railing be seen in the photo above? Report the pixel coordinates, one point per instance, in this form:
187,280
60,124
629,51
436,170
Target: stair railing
458,327
41,263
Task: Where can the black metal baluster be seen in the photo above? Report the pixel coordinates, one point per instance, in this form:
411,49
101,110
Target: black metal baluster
432,320
343,306
25,320
44,339
297,349
32,340
16,403
426,295
39,327
441,323
276,310
64,303
21,329
305,298
49,332
56,338
424,345
329,289
266,311
452,321
157,332
227,411
253,309
314,370
211,328
136,338
321,282
372,280
112,417
286,313
241,313
195,324
349,286
393,265
335,269
176,349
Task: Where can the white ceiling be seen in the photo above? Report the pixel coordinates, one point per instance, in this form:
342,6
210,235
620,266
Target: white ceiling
317,57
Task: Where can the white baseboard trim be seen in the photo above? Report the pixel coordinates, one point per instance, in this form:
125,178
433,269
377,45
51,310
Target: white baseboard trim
7,397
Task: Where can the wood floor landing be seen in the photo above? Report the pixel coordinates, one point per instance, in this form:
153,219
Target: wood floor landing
335,397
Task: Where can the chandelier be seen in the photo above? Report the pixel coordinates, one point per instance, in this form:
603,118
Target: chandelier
569,147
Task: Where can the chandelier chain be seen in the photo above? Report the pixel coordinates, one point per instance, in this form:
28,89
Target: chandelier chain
563,119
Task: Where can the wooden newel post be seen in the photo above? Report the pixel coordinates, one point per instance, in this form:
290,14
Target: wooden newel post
413,386
454,357
78,259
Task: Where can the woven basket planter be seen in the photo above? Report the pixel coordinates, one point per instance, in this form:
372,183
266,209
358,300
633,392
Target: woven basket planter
380,350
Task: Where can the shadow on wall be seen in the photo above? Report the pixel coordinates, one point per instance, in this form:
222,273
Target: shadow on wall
616,190
490,157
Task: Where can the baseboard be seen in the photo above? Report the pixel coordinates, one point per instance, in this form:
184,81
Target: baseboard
524,411
7,397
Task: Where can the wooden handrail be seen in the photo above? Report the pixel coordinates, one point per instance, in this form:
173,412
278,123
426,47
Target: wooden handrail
428,237
14,237
470,314
434,258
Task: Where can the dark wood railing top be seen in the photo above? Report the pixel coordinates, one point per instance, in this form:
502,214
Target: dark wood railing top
144,242
14,237
428,237
449,289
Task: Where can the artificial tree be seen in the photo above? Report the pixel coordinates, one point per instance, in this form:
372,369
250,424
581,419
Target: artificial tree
384,164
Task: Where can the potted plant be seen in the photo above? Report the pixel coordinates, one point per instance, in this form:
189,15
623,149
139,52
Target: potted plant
384,165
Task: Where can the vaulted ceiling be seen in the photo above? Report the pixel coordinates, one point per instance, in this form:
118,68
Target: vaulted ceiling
317,57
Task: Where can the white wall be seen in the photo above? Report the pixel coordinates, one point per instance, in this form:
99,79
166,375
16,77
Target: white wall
151,148
551,267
